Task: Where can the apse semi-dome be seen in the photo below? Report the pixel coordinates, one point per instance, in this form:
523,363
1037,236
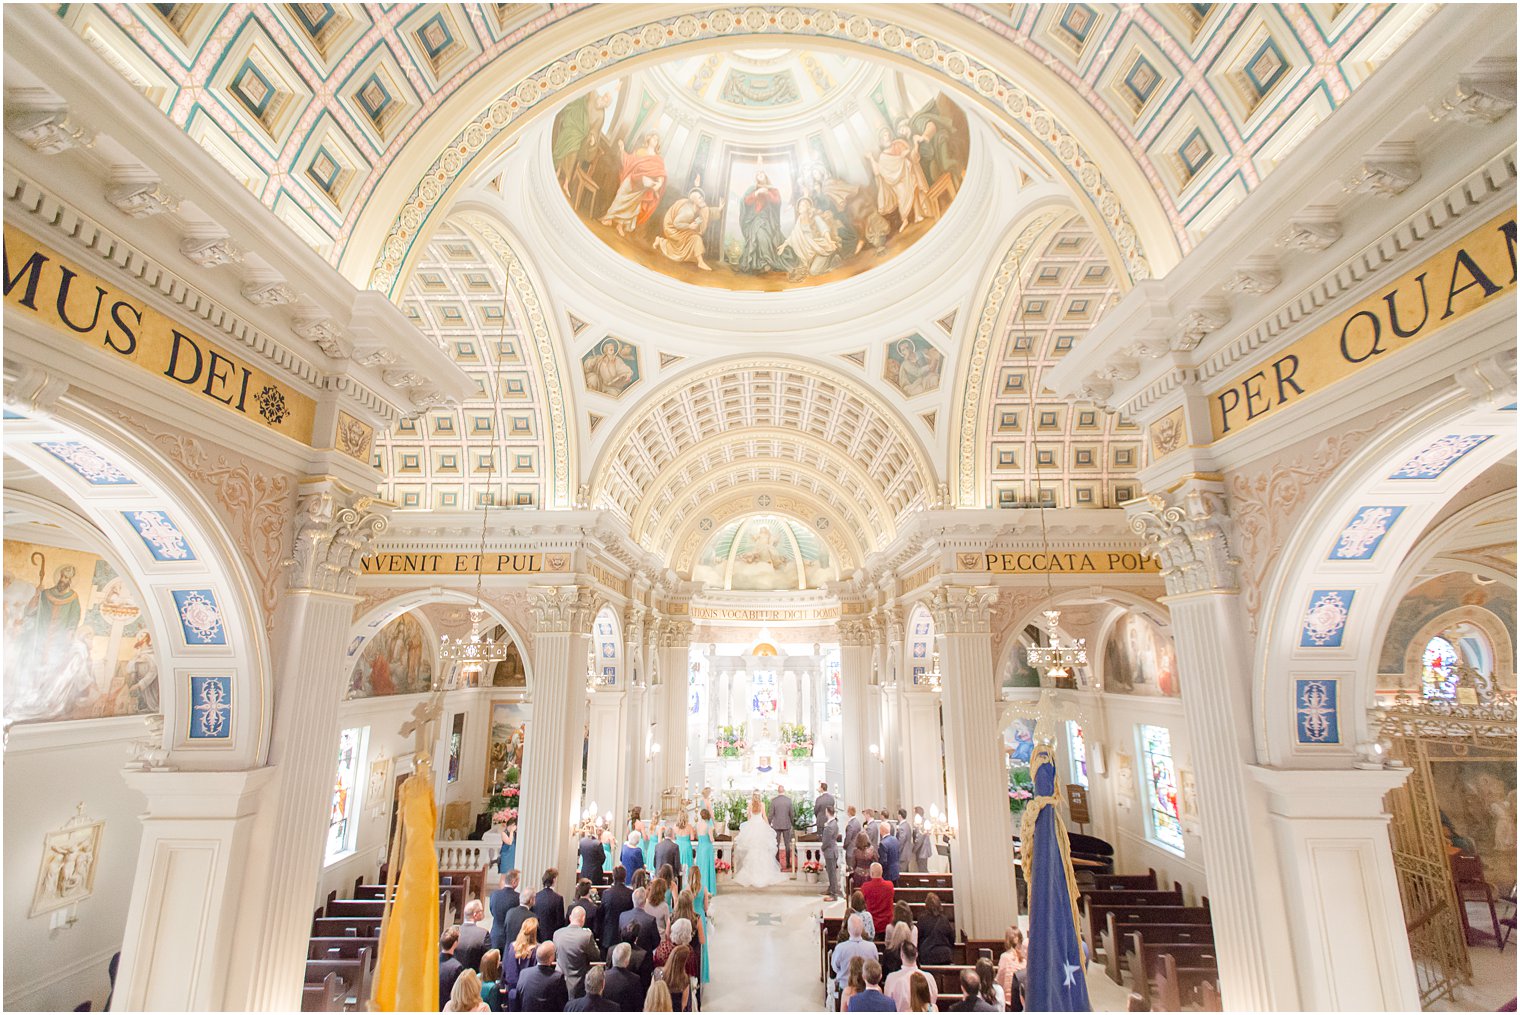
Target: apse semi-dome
761,170
765,553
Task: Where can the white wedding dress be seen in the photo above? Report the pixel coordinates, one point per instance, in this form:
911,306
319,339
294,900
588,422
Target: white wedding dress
755,863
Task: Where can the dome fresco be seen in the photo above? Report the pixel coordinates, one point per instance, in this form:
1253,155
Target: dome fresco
761,169
765,553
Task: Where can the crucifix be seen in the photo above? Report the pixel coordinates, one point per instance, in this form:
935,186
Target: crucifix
421,725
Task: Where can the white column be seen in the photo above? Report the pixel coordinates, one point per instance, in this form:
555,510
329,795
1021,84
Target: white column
920,748
855,731
334,526
981,854
606,753
552,756
1351,953
675,661
876,782
1213,659
188,890
891,747
888,630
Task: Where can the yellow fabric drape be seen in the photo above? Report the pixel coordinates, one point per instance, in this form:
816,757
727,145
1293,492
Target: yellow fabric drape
1043,755
406,974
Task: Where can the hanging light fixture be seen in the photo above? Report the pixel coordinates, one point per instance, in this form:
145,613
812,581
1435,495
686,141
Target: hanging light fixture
932,678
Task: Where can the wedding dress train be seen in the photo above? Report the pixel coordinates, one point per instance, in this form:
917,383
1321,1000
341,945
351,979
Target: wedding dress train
755,863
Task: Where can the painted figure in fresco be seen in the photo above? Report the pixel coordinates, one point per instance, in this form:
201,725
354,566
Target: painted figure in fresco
763,550
842,205
641,183
608,372
900,184
1023,744
578,140
681,233
51,620
760,224
812,241
142,676
918,372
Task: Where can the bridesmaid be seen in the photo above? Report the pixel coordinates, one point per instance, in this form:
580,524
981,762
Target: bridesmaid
684,835
651,833
700,900
610,848
706,854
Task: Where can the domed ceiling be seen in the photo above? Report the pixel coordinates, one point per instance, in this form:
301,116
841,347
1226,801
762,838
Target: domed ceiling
761,170
765,553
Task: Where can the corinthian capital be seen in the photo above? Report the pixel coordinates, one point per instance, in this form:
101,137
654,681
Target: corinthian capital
674,632
959,609
1185,532
854,632
634,626
334,525
562,609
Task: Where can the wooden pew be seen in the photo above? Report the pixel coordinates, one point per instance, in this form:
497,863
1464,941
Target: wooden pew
973,948
345,926
1208,997
947,979
1136,882
324,996
340,947
1138,916
1167,986
921,879
1159,934
354,973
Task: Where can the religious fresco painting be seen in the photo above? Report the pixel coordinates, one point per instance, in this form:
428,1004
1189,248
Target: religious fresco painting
682,167
1441,594
510,671
611,366
397,660
504,749
77,643
1020,673
762,553
1139,659
1478,810
913,366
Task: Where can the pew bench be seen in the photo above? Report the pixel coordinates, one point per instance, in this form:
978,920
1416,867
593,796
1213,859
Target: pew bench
353,973
1137,917
341,947
324,996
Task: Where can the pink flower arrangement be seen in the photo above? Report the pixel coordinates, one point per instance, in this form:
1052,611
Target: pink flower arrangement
504,815
730,742
722,866
510,792
811,867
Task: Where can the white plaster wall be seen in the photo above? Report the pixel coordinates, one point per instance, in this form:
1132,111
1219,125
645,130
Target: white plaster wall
49,769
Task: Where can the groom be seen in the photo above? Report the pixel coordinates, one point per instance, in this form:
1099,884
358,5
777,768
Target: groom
779,810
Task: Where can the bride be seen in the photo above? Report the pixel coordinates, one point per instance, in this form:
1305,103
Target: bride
755,863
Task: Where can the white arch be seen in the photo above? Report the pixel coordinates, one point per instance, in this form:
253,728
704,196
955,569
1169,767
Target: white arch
375,619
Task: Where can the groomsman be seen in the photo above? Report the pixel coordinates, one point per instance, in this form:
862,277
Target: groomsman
828,833
823,802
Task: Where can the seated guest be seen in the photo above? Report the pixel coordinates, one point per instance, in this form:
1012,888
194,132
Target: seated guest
677,980
936,935
879,893
857,907
466,993
1010,967
449,967
851,947
593,999
591,854
971,986
617,899
548,906
542,988
473,938
624,988
658,997
493,989
519,957
680,934
861,859
576,949
872,999
889,851
919,998
503,901
899,986
632,857
855,982
640,918
986,973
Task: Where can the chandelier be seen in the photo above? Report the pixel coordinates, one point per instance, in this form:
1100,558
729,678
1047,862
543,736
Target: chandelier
932,678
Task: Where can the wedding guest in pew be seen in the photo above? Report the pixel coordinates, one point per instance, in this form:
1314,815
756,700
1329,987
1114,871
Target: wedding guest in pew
623,987
861,859
493,988
920,996
899,985
519,957
936,934
854,982
879,893
466,993
503,901
594,999
1010,968
449,967
549,906
617,899
872,999
971,987
542,988
855,944
889,852
992,993
473,937
576,949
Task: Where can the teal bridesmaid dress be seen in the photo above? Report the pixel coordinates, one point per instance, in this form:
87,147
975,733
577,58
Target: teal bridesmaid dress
648,847
699,904
706,861
683,846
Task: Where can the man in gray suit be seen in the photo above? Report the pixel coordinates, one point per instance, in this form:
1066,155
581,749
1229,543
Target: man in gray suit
851,828
576,948
923,843
823,802
872,827
828,833
780,813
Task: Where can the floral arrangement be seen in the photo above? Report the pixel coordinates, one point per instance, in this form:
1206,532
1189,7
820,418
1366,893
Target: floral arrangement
796,740
504,815
811,866
722,866
511,792
730,742
1020,789
802,812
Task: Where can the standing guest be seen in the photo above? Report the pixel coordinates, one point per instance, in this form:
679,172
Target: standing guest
594,999
857,907
493,989
588,905
658,997
667,853
624,988
971,987
617,899
646,928
449,967
503,901
923,842
903,829
1010,967
516,917
507,858
640,959
706,859
936,935
632,857
677,979
822,803
920,996
854,983
542,988
897,934
680,934
899,986
549,906
889,852
861,859
902,913
576,948
872,999
591,854
828,835
879,893
872,827
851,947
466,993
655,904
851,826
518,958
986,974
473,938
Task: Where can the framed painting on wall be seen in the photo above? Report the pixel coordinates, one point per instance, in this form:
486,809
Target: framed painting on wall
67,872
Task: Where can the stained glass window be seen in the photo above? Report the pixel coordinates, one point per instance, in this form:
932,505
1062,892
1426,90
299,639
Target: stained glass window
763,688
1438,676
1077,747
342,822
1161,786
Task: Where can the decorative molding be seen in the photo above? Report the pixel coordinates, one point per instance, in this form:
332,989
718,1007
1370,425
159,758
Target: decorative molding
565,609
1483,97
141,198
1310,234
209,251
324,332
269,292
47,131
1385,177
334,526
1185,532
1254,280
958,609
1198,322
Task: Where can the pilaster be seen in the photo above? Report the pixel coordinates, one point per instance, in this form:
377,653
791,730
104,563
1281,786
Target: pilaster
854,681
674,646
606,753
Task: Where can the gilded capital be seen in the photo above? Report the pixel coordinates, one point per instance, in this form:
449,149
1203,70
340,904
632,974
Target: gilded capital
334,527
959,609
564,609
1185,532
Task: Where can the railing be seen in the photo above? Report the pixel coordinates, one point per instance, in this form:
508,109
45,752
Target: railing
465,854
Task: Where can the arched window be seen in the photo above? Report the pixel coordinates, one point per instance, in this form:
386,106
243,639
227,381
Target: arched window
1438,669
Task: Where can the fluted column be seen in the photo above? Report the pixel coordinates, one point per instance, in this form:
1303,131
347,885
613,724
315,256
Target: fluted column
854,678
675,661
552,755
635,773
981,854
888,633
334,526
606,755
1186,533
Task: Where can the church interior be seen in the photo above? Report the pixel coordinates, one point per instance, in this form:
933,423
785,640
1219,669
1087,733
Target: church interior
1050,437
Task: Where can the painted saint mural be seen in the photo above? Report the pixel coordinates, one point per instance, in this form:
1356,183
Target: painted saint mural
397,660
77,645
761,170
1139,659
765,553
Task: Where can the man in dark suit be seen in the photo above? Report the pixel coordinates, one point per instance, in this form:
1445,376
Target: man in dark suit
889,852
779,810
971,986
824,801
667,852
851,828
448,966
576,949
503,901
872,999
473,939
592,855
549,906
617,899
516,916
624,987
922,846
594,999
648,930
542,988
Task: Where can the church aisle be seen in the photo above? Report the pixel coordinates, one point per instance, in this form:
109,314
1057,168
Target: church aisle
764,949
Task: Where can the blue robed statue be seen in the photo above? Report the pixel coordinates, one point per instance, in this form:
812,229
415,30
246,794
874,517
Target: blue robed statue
1054,979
